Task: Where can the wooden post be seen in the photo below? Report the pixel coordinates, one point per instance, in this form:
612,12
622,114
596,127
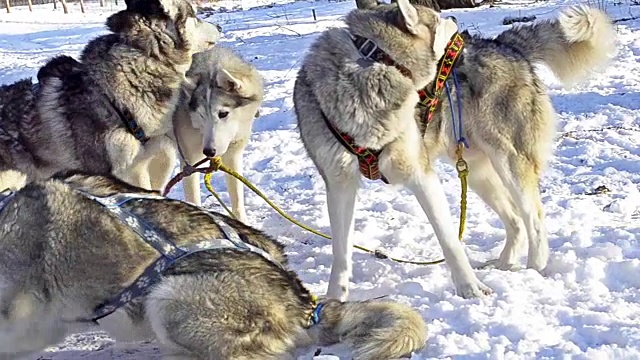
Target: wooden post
8,6
314,14
64,6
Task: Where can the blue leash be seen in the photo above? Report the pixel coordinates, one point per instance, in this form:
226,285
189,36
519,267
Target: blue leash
457,133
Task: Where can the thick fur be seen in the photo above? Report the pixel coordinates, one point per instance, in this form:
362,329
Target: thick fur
509,122
215,114
70,122
62,254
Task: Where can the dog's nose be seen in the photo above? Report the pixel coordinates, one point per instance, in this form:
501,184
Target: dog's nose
219,28
209,152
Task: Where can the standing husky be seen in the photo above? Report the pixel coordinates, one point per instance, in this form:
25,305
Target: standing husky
63,254
509,121
215,115
108,113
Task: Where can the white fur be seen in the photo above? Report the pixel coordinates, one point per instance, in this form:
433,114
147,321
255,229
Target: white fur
12,179
444,31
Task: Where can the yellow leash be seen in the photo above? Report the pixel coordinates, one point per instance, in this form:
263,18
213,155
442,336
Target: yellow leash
217,164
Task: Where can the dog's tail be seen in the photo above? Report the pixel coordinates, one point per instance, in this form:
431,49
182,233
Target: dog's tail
375,329
579,41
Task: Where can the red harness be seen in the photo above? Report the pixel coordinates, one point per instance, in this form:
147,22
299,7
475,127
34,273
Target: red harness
368,159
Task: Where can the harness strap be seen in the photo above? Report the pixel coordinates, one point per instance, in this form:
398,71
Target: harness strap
367,158
447,63
171,253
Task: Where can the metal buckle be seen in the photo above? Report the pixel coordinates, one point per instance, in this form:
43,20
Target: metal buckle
368,55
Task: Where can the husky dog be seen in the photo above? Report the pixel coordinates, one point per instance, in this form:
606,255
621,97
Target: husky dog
214,116
509,121
109,112
63,253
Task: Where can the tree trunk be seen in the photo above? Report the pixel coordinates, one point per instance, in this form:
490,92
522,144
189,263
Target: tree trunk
82,6
436,5
6,2
456,4
64,6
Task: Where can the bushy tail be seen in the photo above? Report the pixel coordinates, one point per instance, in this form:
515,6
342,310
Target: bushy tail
377,330
579,41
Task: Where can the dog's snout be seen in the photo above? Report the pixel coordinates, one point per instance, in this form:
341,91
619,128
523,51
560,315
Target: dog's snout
219,28
208,152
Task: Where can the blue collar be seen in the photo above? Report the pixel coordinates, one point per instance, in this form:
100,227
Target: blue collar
316,315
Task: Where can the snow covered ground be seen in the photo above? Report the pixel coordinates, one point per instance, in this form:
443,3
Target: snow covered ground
586,305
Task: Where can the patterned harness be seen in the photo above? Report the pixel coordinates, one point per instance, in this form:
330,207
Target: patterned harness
170,253
368,159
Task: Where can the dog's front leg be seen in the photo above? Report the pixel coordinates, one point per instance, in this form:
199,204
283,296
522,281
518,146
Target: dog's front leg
233,158
341,197
431,196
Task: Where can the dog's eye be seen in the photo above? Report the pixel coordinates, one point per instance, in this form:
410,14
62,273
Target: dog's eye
222,114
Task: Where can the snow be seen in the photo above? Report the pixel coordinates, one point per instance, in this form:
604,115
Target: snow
587,303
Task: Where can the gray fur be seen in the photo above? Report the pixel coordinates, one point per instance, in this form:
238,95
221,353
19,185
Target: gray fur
508,119
69,123
62,255
219,81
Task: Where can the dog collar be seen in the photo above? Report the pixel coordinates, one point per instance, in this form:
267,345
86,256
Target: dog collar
369,50
130,122
446,65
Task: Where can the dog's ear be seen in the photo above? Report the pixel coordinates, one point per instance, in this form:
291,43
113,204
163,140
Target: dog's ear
444,31
409,16
189,84
227,82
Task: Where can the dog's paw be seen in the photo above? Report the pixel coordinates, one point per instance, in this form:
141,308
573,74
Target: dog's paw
499,265
473,290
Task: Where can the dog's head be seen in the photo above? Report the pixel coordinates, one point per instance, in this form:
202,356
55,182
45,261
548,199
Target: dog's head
414,36
222,104
164,27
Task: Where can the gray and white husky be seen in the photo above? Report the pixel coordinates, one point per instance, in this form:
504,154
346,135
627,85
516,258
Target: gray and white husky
109,111
509,121
72,243
221,98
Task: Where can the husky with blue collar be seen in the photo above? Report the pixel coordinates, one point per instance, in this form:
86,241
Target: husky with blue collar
79,250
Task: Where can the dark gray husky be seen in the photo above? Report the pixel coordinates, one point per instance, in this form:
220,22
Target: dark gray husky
74,243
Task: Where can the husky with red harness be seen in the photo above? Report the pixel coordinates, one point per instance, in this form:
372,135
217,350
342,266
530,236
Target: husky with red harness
399,87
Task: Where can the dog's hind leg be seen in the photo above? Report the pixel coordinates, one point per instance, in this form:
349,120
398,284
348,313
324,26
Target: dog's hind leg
431,196
233,158
341,197
191,316
484,180
519,176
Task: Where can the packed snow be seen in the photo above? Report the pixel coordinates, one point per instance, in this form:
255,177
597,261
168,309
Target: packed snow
587,303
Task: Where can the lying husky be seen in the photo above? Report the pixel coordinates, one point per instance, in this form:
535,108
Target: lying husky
358,87
215,115
76,247
108,113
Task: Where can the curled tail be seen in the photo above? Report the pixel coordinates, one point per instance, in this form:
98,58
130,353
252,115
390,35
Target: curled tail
377,330
579,41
